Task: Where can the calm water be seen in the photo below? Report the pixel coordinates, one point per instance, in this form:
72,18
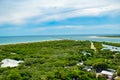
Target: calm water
20,39
112,48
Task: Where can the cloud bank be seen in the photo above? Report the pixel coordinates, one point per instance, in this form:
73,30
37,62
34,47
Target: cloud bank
19,12
39,17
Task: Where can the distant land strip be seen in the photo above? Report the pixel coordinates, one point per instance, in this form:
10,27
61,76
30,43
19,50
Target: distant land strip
114,36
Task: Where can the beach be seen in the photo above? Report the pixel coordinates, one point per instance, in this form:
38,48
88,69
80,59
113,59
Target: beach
30,39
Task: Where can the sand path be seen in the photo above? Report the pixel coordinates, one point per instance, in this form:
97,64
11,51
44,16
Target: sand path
92,46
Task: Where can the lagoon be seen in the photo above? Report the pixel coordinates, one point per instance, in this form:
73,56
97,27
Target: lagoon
111,48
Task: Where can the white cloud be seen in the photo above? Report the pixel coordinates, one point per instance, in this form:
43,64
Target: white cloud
97,11
18,12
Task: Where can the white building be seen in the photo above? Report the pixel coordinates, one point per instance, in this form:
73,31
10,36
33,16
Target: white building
107,74
10,63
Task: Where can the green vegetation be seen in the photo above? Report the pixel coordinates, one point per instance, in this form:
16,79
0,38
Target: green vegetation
98,45
57,60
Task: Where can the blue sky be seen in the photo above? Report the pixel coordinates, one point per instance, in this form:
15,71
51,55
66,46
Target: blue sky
59,17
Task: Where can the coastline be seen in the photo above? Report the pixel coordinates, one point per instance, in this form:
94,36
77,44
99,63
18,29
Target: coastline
104,36
82,38
111,36
97,37
29,42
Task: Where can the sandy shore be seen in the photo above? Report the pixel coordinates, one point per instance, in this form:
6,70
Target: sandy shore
29,42
97,37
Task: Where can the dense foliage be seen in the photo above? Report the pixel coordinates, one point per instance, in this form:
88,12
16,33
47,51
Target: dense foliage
56,60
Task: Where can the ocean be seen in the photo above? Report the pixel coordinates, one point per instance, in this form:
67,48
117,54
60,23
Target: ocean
23,39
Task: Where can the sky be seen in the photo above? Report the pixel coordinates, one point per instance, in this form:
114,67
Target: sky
59,17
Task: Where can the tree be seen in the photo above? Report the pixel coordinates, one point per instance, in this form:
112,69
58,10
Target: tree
14,75
118,72
84,77
101,77
25,74
99,66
